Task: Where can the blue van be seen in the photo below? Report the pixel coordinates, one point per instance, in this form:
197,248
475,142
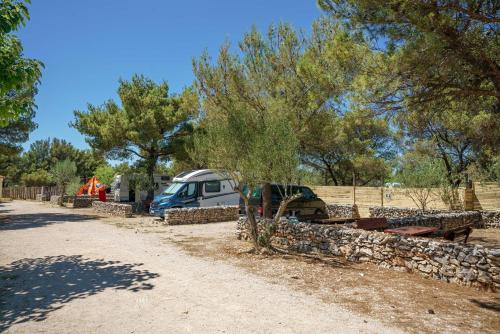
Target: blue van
198,188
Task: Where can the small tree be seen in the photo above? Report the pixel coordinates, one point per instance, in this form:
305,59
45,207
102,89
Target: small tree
105,174
252,149
64,173
420,177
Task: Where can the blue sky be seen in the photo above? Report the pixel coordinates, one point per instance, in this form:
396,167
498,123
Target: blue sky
87,46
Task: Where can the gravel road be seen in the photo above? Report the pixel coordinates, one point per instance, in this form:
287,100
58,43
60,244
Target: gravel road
68,271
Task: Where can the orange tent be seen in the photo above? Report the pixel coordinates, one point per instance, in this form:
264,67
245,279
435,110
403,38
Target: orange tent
91,187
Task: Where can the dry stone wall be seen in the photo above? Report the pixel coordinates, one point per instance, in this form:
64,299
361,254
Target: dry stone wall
342,210
491,219
394,212
465,264
444,221
113,209
212,214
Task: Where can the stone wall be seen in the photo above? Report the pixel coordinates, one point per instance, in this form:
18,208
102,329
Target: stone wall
342,210
201,215
444,221
395,212
465,264
113,209
491,219
80,201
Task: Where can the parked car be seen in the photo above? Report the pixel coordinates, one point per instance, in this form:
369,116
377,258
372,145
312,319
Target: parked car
195,188
308,204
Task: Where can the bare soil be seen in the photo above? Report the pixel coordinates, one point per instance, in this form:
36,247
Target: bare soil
200,278
70,271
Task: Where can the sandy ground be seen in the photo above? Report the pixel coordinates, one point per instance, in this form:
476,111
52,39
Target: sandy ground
68,271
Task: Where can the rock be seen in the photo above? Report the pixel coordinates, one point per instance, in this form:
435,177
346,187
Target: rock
471,259
425,268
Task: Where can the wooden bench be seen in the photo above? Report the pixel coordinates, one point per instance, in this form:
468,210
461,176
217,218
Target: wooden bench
371,224
461,232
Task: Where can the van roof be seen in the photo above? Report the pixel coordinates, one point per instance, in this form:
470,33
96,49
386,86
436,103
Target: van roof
198,175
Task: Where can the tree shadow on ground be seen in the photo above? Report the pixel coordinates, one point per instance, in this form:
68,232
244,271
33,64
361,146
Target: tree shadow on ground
22,221
490,305
32,288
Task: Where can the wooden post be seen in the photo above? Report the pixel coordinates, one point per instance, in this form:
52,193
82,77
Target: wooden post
354,187
1,186
382,196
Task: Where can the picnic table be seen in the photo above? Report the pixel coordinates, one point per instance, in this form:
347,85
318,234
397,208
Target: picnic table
412,230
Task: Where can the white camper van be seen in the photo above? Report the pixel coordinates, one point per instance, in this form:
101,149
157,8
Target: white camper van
122,192
196,188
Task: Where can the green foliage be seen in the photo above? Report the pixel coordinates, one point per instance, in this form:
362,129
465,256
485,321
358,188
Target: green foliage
149,125
44,154
105,174
438,50
64,173
74,186
37,179
19,76
420,178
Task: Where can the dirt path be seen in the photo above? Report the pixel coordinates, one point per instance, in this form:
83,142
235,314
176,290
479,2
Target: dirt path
67,271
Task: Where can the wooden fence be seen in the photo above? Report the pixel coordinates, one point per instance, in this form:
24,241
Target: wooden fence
486,196
29,192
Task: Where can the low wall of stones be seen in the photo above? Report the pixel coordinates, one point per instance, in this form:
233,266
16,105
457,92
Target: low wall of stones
113,209
81,201
394,212
342,210
201,215
466,264
55,199
444,221
491,219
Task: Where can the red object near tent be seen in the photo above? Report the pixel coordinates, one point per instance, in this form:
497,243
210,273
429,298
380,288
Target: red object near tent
93,188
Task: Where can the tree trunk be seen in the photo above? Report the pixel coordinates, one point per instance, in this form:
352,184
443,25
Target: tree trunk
267,211
150,169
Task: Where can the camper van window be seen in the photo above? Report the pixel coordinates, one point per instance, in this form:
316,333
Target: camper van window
191,189
173,188
212,186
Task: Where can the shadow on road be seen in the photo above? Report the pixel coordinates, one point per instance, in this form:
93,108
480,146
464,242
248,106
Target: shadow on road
22,221
32,288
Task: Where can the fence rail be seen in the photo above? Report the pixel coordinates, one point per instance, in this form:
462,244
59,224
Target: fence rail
29,192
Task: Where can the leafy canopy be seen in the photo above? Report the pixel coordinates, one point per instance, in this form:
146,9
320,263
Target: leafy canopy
19,76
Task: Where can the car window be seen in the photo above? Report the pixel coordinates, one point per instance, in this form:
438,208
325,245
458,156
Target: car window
212,186
191,189
307,193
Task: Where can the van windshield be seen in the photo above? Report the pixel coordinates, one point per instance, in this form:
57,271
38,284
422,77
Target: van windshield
173,188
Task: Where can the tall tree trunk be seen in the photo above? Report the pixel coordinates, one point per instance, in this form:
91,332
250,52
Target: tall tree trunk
267,211
150,169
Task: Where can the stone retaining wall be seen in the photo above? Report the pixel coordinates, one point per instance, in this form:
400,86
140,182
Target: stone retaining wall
80,201
342,210
201,215
395,212
444,221
466,264
491,219
113,209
